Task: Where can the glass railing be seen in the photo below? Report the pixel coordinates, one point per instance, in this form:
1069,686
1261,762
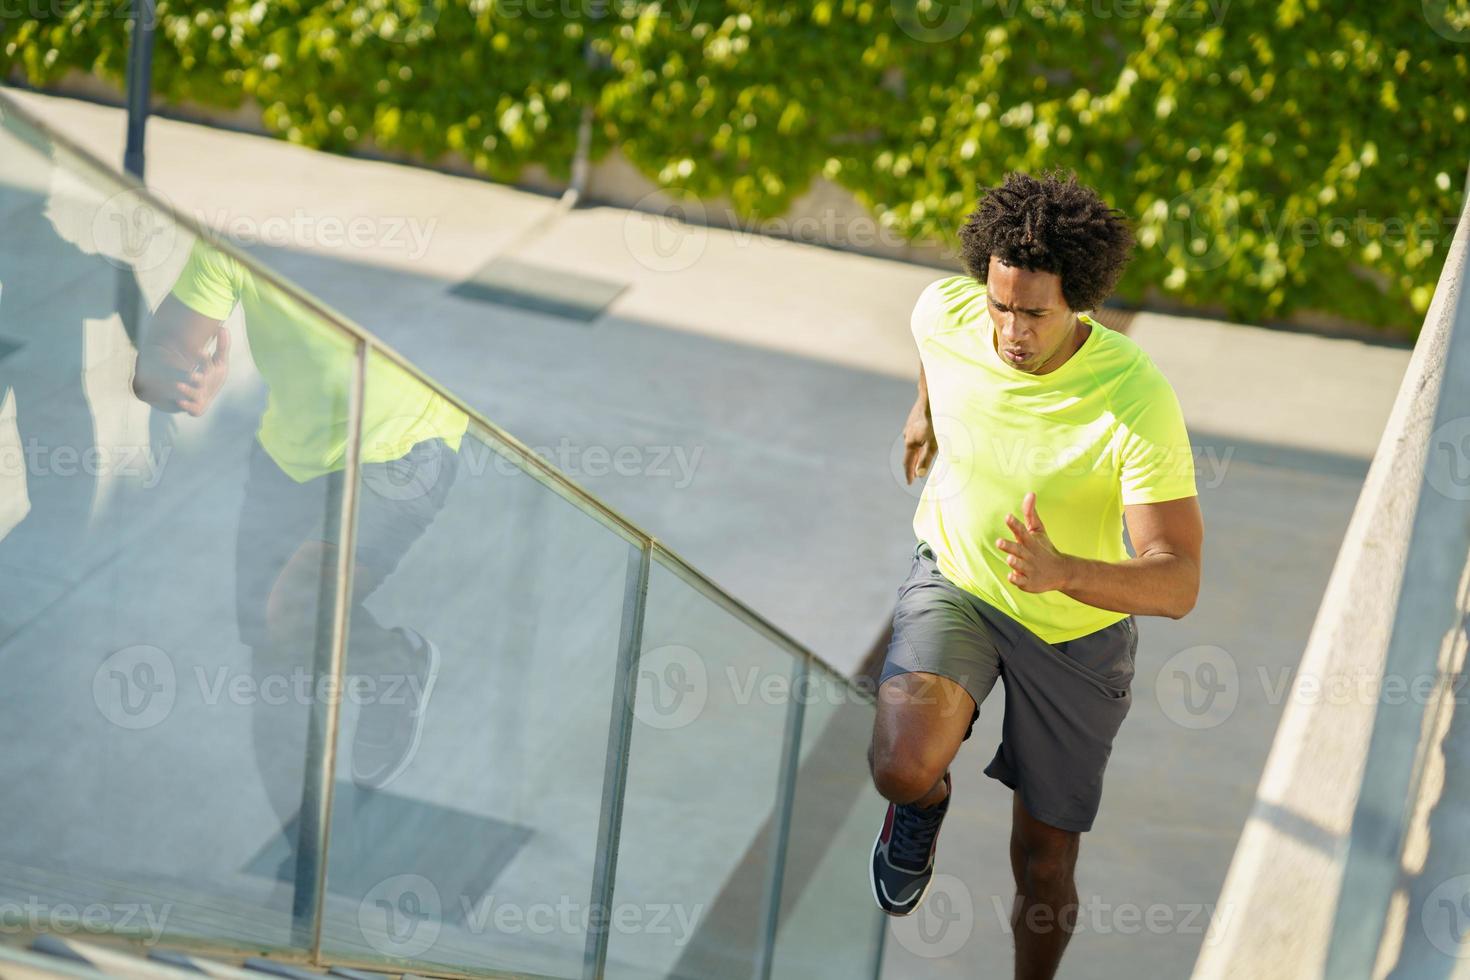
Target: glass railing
326,667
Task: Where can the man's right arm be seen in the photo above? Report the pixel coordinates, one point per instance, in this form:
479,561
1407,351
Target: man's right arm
919,445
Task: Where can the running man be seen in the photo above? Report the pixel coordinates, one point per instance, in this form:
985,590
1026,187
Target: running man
1050,432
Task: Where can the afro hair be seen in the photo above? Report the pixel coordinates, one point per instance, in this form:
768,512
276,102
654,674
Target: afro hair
1049,224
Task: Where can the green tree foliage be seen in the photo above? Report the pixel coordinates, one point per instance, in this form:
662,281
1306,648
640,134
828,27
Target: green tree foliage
1275,156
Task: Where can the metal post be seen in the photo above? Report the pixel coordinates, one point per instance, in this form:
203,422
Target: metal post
140,84
881,924
615,772
781,825
129,299
314,823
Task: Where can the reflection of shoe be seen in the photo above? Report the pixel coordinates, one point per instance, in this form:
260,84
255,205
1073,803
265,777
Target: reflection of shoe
903,855
388,733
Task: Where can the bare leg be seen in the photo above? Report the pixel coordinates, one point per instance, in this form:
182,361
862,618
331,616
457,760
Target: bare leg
1043,859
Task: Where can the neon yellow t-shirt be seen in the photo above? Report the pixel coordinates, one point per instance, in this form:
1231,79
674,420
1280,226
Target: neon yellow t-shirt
307,366
1102,431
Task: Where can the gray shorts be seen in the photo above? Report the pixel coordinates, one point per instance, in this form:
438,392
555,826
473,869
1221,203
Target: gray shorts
1064,702
397,502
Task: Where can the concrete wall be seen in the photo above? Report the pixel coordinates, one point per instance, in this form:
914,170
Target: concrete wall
1284,884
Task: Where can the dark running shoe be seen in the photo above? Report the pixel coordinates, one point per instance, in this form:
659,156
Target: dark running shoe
388,732
903,855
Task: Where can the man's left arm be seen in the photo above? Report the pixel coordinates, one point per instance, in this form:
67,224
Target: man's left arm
1161,580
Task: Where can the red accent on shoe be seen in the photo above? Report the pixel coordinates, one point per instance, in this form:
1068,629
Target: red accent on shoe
887,825
935,846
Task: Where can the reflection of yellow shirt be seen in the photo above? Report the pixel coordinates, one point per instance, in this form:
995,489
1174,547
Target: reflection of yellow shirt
307,365
1102,431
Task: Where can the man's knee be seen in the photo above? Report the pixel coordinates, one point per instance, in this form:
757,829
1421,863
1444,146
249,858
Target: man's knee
921,721
904,775
1048,857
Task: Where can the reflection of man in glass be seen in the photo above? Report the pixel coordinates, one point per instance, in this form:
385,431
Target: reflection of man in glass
286,549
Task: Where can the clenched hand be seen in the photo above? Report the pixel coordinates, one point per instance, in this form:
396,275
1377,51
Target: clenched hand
197,392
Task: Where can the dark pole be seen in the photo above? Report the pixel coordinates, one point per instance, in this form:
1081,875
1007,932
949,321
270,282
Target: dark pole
140,86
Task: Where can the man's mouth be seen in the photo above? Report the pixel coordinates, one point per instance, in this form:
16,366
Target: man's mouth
1015,356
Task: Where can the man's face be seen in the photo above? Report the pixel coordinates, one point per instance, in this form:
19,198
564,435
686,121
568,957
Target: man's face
1033,324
